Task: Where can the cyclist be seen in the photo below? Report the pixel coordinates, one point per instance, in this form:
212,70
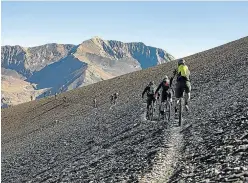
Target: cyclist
183,83
165,85
150,91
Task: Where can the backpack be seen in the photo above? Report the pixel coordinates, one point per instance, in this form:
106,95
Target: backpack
151,90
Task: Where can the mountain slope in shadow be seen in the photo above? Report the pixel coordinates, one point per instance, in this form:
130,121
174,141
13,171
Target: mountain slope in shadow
63,72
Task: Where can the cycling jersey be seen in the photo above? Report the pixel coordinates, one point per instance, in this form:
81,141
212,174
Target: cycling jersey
183,73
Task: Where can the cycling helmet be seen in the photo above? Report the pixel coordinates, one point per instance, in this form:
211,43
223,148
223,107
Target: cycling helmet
181,61
151,83
165,78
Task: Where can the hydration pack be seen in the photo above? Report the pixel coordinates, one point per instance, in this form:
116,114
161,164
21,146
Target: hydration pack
151,90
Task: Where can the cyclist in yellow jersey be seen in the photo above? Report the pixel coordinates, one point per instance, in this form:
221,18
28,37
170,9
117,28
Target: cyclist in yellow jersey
183,82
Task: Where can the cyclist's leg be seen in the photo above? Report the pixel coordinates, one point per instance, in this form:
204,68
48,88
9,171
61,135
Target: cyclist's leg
149,102
187,91
154,101
166,99
153,104
187,94
178,93
187,98
163,98
170,96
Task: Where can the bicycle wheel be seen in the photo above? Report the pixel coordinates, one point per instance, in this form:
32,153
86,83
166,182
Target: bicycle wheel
180,111
167,110
151,111
159,109
162,108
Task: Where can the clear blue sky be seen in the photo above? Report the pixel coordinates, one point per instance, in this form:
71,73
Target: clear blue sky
181,28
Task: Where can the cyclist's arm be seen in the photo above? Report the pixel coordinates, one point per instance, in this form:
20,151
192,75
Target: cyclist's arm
171,80
159,86
173,91
174,73
145,90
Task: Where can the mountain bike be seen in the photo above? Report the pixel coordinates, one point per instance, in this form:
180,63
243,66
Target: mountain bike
166,108
151,110
180,111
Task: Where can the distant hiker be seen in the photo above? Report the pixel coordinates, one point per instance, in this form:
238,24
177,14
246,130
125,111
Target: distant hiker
64,99
150,91
55,95
115,97
94,101
31,97
111,99
62,88
3,99
183,83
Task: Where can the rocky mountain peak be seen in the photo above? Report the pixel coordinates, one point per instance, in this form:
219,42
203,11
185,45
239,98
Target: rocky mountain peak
96,38
53,65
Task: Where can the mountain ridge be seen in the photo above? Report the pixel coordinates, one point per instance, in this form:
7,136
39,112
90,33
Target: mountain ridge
104,59
94,37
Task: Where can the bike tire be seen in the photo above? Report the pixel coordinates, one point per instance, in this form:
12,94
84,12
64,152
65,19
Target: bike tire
152,110
180,111
164,115
168,111
149,112
159,109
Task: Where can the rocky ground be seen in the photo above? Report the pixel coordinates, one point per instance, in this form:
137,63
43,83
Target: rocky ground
216,143
50,140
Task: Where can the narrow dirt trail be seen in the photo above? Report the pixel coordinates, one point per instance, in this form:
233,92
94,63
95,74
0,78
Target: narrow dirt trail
166,158
168,155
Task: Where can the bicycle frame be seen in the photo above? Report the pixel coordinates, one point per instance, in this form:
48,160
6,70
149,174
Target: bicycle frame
166,107
151,110
180,109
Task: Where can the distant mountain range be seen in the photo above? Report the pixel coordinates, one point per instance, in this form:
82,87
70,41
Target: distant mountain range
52,67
